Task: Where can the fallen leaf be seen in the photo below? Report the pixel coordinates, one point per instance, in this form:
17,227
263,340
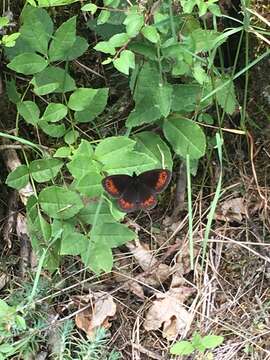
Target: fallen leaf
98,314
231,210
4,278
183,258
124,274
136,289
169,313
147,261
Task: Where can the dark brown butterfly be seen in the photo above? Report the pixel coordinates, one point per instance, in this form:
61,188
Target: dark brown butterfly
137,191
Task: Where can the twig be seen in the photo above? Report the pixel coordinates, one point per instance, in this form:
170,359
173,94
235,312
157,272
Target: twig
180,193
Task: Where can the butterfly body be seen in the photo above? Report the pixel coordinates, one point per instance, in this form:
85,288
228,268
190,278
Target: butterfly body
137,191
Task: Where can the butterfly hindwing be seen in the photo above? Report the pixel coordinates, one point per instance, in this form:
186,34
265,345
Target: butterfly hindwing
129,200
115,185
137,196
157,179
147,199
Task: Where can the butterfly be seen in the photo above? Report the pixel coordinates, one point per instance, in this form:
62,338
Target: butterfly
137,191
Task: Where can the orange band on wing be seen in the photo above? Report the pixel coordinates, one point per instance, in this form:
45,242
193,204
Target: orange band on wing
111,188
162,180
125,205
149,203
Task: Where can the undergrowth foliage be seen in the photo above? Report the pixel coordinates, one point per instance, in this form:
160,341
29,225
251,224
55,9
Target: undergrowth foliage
169,57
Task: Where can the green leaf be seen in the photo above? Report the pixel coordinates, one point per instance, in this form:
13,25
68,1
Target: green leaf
4,21
6,349
63,40
212,341
103,17
28,63
92,8
145,49
20,322
200,75
85,149
13,95
60,203
226,95
5,308
45,169
146,96
113,147
45,89
202,8
119,40
111,3
38,227
89,214
21,47
37,28
186,97
49,77
54,112
206,119
197,342
10,40
79,48
62,152
151,144
129,162
90,184
150,33
214,9
188,5
95,107
81,165
50,3
125,62
105,47
112,234
71,137
185,136
180,68
52,129
98,257
146,111
164,99
107,61
74,244
18,178
81,98
182,348
134,23
82,162
29,111
206,40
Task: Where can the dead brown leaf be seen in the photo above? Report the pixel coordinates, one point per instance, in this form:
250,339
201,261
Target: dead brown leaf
231,210
147,261
183,265
169,313
99,313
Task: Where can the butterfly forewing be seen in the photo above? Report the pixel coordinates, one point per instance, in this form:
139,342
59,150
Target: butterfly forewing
157,179
115,185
